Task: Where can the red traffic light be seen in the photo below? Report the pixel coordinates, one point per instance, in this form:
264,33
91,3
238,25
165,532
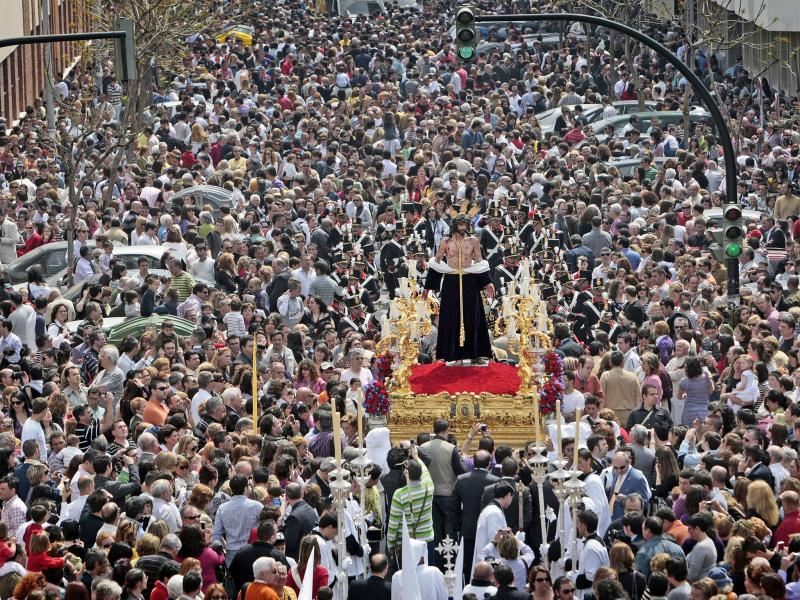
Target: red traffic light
732,213
465,16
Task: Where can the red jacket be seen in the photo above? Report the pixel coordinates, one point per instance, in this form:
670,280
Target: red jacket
159,592
40,562
788,527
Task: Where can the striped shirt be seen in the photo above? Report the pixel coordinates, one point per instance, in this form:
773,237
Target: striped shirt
416,501
183,285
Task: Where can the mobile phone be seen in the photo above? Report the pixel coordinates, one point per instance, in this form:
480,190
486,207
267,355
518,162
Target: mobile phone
483,427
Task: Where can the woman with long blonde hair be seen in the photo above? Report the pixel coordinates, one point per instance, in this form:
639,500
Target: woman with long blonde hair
761,503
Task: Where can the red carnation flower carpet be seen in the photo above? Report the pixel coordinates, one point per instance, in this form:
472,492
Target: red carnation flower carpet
497,378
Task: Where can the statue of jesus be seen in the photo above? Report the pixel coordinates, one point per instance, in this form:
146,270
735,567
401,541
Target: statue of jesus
463,333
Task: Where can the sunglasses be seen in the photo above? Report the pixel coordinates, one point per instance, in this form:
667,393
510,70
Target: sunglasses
541,580
17,402
192,517
162,389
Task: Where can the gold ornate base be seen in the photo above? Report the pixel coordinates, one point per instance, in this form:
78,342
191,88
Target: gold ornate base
509,419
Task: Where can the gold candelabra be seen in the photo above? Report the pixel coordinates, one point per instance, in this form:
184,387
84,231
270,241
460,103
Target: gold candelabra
523,321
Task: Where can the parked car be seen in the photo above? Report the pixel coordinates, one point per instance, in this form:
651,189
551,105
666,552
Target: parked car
199,195
51,257
129,255
594,112
665,118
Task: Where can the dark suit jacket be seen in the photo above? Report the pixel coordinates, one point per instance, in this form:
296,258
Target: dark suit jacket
323,486
241,568
297,525
392,481
372,588
509,592
120,490
512,512
570,348
762,472
633,311
469,489
278,286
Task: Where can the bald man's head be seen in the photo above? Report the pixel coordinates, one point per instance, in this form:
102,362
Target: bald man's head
483,571
482,459
790,501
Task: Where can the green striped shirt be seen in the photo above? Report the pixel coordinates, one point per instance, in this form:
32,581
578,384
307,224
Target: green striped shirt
183,284
416,501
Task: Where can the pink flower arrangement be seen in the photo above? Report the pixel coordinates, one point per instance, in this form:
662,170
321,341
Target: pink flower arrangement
376,399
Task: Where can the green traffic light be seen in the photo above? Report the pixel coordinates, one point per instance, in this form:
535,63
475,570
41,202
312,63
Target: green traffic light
733,250
466,53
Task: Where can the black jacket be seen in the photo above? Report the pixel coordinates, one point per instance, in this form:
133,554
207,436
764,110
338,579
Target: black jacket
509,592
512,512
277,287
241,568
372,588
762,472
120,490
297,525
469,488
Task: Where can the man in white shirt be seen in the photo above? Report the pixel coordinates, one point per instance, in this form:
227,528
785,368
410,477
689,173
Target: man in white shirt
163,505
203,267
9,238
32,429
290,304
72,510
593,554
305,274
492,518
23,320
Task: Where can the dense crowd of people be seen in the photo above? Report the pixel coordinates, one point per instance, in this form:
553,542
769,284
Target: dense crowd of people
346,148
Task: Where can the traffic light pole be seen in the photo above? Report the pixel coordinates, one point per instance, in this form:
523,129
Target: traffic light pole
723,133
125,37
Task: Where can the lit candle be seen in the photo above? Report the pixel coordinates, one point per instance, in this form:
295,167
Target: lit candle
577,437
412,269
414,330
393,312
536,419
385,331
337,438
511,327
361,417
558,429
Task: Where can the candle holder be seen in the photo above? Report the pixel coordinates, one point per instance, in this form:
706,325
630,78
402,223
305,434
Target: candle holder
538,465
559,478
447,549
340,490
575,490
361,466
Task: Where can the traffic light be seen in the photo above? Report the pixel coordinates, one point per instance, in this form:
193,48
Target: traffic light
125,51
466,35
732,231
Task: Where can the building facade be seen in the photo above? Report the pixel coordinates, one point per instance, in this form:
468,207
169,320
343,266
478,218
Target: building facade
22,68
766,35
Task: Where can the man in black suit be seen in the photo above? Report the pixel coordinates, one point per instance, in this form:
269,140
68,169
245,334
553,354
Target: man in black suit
104,473
374,587
633,312
320,477
299,522
279,283
469,489
395,478
504,577
241,568
509,470
758,469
